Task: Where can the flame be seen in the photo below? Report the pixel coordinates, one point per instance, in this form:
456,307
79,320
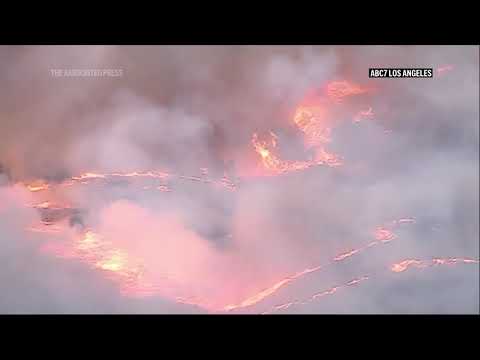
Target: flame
129,273
43,205
311,120
382,235
338,90
47,205
89,241
88,177
406,264
268,291
100,254
347,254
275,165
269,159
132,276
35,188
114,262
318,295
397,268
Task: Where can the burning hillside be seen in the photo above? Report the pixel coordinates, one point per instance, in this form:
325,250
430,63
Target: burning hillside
245,197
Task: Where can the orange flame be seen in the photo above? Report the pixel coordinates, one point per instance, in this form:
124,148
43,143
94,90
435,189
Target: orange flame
48,205
318,295
398,267
87,177
338,90
405,264
382,235
35,188
312,122
272,163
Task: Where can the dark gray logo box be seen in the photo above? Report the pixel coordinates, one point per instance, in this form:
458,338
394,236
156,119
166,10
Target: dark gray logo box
400,73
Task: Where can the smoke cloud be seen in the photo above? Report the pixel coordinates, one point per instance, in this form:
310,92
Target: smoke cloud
179,109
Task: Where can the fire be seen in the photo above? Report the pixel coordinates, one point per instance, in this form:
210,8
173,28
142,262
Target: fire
93,249
89,241
114,262
269,160
100,254
382,235
258,297
312,121
318,295
43,205
132,276
338,90
47,205
88,177
347,254
35,188
405,264
268,291
397,268
275,165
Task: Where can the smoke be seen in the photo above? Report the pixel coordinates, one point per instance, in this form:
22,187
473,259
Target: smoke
182,108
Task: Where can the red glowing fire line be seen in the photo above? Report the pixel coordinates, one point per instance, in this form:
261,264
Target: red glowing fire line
397,268
103,256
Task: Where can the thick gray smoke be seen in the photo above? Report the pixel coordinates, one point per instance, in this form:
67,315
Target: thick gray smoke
182,108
